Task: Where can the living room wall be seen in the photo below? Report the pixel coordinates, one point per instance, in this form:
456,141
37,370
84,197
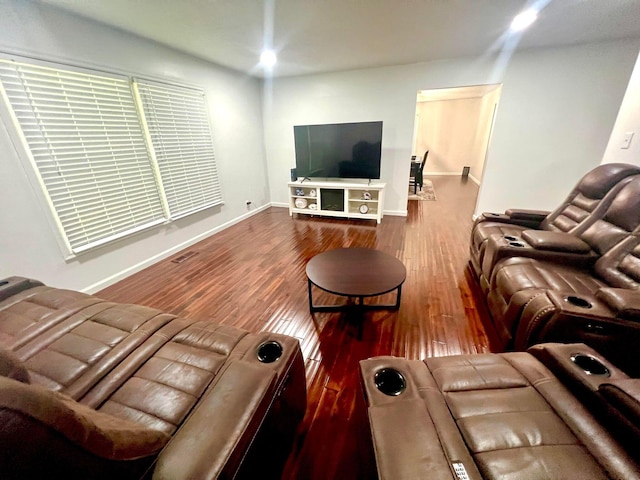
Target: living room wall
628,121
28,245
456,133
556,113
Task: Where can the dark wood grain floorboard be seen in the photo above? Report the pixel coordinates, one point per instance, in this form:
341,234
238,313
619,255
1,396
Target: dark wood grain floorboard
252,276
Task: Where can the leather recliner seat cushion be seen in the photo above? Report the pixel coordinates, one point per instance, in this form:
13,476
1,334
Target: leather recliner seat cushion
502,416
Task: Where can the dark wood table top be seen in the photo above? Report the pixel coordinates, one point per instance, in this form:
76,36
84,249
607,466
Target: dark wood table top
356,272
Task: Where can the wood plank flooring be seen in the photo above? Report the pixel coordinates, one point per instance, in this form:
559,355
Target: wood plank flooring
252,276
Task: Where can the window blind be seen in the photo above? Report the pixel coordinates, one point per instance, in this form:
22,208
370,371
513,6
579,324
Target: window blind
177,121
88,148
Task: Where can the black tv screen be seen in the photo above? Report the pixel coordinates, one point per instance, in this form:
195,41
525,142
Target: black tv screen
338,150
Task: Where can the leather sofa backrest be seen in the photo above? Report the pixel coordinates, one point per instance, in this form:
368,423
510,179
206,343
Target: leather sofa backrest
616,237
620,219
34,309
593,194
75,353
12,367
620,267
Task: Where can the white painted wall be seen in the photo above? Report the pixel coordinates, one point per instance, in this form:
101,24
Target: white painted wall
27,242
556,113
456,133
447,129
628,121
387,94
489,107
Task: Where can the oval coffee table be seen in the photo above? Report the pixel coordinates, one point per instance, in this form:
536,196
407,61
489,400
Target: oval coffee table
355,273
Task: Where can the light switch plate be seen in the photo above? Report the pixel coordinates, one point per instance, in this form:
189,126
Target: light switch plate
626,140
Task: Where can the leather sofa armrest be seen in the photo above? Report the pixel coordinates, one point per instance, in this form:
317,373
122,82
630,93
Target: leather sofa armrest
412,430
12,285
527,215
100,434
212,442
555,241
625,303
621,399
494,217
561,360
624,395
523,218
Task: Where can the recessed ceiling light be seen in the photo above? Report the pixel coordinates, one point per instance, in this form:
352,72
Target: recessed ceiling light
523,20
268,58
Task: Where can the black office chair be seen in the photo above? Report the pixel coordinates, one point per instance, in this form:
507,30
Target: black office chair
415,176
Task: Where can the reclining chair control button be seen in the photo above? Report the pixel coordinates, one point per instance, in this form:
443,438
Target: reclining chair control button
460,471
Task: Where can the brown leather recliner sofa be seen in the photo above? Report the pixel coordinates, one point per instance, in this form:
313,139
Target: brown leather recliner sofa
95,389
575,286
558,411
585,204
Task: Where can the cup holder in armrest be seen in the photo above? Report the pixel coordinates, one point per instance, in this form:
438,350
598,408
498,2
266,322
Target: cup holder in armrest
590,365
511,238
269,351
3,283
578,302
390,381
517,244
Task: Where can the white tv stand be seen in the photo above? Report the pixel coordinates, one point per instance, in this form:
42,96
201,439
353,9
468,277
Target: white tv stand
337,198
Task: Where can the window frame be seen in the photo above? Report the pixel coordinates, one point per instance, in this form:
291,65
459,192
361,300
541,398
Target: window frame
21,145
143,89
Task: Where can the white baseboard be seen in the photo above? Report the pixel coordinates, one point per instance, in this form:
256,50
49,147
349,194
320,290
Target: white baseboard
167,253
396,213
436,174
439,174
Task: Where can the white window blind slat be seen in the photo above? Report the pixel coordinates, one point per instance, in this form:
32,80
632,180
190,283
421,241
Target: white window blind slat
112,163
88,178
178,126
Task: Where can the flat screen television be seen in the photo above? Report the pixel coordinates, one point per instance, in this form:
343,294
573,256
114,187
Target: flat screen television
338,150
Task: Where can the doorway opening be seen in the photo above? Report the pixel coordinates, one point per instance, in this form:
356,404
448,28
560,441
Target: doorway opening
454,125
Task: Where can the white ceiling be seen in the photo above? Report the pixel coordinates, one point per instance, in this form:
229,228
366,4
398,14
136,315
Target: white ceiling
313,36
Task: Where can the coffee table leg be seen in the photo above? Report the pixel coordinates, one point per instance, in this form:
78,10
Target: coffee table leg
359,317
398,297
310,296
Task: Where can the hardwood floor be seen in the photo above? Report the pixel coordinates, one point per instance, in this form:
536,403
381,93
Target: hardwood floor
252,276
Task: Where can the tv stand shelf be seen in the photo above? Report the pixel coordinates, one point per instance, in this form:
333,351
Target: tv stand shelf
336,198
